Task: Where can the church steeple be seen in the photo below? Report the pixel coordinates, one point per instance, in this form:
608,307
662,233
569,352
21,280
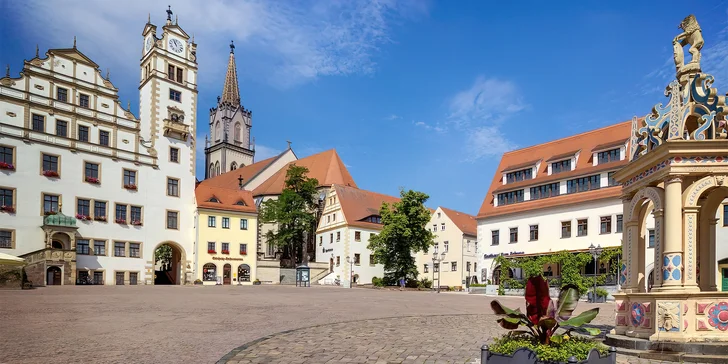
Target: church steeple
230,91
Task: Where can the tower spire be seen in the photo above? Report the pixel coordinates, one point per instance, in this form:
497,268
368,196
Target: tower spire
230,91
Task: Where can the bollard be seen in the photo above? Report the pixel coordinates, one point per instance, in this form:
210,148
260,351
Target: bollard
613,354
572,360
484,354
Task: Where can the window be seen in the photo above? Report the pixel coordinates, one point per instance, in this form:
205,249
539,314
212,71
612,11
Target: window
83,133
561,166
129,179
243,249
172,220
565,229
226,248
38,122
468,245
6,155
612,181
725,215
533,233
445,246
372,261
511,197
174,154
136,215
103,138
6,197
619,223
173,71
425,269
98,277
226,223
549,190
582,184
435,267
434,227
119,249
651,238
338,260
6,239
119,278
211,221
243,224
437,247
50,203
338,236
133,278
357,236
581,227
170,72
605,225
91,172
100,210
99,247
514,235
61,94
442,227
495,237
172,187
357,259
468,267
50,163
82,246
179,75
211,247
121,213
175,95
608,156
83,207
61,128
83,100
134,250
331,238
521,175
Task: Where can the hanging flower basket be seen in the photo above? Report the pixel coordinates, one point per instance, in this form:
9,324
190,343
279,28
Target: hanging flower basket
7,166
93,180
52,174
132,187
83,217
8,209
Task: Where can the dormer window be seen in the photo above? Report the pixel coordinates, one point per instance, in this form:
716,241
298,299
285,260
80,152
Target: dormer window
607,156
511,197
374,219
213,199
521,175
241,203
561,166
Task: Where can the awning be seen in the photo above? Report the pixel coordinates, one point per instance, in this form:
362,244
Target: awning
7,259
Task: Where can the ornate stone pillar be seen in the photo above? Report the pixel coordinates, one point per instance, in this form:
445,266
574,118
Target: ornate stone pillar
690,248
631,259
703,249
626,264
659,216
672,256
711,269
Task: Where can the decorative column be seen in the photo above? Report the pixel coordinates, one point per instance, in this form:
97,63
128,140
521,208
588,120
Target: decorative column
703,247
631,261
690,248
710,270
659,216
625,264
672,256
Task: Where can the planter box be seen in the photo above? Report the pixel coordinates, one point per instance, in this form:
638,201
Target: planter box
600,299
477,290
526,356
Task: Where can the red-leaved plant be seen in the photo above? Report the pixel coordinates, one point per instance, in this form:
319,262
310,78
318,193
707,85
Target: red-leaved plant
543,317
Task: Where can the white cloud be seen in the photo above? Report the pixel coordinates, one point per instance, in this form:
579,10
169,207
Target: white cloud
286,43
393,117
263,152
436,128
487,141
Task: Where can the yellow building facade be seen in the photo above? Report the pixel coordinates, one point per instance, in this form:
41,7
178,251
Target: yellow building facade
226,236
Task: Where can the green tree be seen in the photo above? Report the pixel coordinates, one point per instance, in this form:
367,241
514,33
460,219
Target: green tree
293,212
163,255
403,234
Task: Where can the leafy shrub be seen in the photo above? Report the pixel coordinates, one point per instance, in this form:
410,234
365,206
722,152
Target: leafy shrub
478,285
601,292
425,283
377,282
389,280
576,346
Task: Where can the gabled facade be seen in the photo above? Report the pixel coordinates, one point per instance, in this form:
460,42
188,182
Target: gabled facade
456,249
90,190
350,217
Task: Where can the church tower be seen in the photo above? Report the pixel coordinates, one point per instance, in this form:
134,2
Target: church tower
229,146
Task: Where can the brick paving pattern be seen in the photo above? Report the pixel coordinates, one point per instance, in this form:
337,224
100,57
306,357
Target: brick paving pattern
192,324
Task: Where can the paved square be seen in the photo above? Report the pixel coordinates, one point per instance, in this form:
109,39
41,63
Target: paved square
171,324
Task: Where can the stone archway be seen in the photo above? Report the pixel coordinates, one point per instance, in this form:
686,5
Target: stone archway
54,276
169,264
635,210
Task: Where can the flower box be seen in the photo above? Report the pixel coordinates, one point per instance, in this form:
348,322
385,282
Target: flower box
226,252
131,187
210,251
93,180
7,166
136,223
120,221
243,253
100,218
50,173
527,356
48,213
83,217
8,209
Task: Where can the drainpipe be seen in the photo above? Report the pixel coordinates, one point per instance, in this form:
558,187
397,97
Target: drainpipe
195,244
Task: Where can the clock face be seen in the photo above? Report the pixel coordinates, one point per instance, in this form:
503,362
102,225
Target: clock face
148,46
176,46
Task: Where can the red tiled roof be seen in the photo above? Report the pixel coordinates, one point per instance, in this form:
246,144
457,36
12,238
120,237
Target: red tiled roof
584,142
228,198
359,204
230,179
466,223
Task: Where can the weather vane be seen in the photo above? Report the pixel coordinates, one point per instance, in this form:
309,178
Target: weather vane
169,12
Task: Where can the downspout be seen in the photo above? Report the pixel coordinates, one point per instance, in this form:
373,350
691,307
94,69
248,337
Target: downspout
196,243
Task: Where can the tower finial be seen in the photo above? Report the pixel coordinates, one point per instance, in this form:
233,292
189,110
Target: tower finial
149,18
232,47
107,74
176,19
7,70
36,50
193,37
128,106
289,144
74,42
169,13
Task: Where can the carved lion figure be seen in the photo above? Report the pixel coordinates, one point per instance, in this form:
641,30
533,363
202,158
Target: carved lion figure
693,35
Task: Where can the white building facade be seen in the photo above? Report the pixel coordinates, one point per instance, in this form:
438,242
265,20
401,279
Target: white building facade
94,189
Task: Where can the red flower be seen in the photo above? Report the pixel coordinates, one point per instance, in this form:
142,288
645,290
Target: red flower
100,218
83,217
93,180
226,252
7,166
131,186
120,221
50,173
211,251
136,223
8,209
243,253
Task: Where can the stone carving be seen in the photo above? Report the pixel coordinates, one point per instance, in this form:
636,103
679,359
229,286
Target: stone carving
668,316
692,35
654,194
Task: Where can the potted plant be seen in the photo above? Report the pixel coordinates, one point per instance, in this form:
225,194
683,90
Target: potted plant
198,281
120,221
226,252
131,186
83,217
93,180
541,342
50,173
601,295
8,209
210,251
7,166
100,218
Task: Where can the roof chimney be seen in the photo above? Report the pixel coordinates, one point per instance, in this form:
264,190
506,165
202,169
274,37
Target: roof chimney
240,181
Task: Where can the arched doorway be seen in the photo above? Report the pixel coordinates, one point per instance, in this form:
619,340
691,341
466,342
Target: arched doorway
53,276
209,272
331,265
169,269
226,273
243,273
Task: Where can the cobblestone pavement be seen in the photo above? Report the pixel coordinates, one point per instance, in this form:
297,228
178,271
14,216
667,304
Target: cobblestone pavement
193,324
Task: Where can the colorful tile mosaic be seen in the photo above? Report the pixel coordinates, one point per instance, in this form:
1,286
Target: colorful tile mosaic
672,267
646,173
638,314
718,316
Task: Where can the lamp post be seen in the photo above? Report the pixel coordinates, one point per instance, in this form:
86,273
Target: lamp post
351,269
437,260
595,252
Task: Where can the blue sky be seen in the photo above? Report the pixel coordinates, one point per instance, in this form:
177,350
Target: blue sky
419,94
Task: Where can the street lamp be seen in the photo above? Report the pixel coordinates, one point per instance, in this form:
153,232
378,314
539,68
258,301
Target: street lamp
351,269
595,253
437,260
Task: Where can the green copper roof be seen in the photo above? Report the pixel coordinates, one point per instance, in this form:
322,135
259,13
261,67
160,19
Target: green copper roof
60,219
